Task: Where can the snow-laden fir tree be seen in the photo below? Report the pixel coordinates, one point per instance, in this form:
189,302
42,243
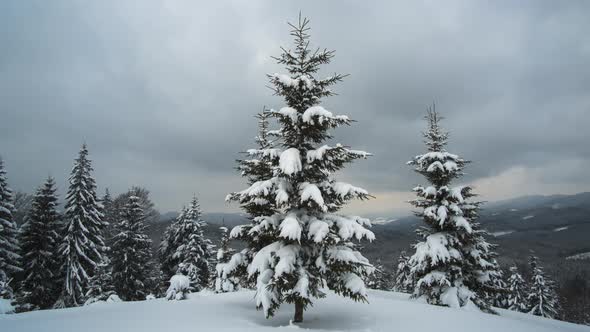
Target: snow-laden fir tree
542,298
131,253
194,250
223,281
82,242
9,249
168,246
403,279
453,264
40,286
101,286
307,246
517,294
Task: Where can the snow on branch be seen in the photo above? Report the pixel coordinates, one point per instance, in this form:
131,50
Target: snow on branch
290,161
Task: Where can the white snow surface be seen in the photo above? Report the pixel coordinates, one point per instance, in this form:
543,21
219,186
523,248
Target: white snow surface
584,255
290,161
502,233
207,311
5,307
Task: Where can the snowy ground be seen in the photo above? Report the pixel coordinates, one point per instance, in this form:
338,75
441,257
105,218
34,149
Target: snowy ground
235,312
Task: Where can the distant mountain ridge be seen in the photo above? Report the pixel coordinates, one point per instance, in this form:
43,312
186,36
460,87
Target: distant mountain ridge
554,226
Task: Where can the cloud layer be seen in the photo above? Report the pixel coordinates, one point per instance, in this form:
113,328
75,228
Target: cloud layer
164,93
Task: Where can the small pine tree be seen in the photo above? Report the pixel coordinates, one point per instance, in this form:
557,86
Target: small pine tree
101,286
542,299
223,281
453,264
39,239
299,242
131,253
194,251
517,291
499,294
82,246
380,278
9,248
403,279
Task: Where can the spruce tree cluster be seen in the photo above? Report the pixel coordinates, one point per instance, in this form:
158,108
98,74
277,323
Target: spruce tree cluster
297,240
184,248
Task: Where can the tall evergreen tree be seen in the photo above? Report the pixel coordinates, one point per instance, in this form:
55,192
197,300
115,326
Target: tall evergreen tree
305,242
39,239
542,299
194,251
453,264
223,281
9,249
131,253
517,291
82,245
403,278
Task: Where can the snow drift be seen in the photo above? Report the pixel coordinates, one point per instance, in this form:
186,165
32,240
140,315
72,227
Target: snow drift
206,311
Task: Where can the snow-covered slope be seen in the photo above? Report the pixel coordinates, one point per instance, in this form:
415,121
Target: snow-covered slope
235,312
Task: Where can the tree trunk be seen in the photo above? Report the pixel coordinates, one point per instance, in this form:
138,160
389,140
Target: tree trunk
298,318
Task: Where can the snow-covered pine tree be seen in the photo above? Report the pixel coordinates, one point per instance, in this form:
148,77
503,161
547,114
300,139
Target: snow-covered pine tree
307,245
403,279
453,264
82,245
517,294
380,278
100,287
40,286
542,299
168,246
131,253
499,295
9,248
223,281
194,250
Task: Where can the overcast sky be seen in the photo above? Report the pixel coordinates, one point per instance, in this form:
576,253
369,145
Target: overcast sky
164,92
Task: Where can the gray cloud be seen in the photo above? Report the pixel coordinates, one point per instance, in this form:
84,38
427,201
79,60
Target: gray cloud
164,93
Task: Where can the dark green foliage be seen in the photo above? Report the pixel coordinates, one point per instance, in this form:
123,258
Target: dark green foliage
131,253
39,240
9,249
